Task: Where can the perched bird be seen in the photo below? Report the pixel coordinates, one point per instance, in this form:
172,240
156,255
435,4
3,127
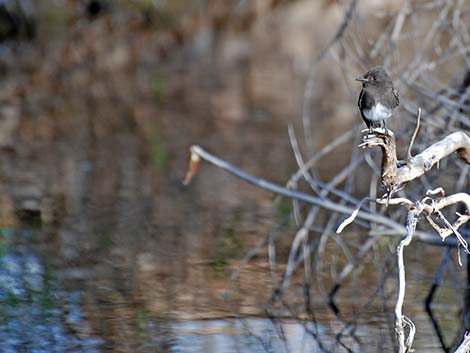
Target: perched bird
378,98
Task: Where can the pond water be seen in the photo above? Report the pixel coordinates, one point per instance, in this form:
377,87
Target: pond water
46,307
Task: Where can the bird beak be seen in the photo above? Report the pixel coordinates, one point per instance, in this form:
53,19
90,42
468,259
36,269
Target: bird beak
362,79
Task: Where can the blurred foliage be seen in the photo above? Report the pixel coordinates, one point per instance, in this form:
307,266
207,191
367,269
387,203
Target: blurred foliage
283,208
105,239
227,247
53,17
142,318
159,87
11,299
159,153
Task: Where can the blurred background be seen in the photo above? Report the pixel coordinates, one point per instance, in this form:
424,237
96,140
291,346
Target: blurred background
102,249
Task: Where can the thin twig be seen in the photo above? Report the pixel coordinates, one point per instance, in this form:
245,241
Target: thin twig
352,217
394,228
298,239
337,141
309,86
415,133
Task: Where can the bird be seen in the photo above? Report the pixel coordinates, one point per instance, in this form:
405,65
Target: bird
378,98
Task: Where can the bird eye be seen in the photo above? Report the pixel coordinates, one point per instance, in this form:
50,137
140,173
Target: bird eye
373,78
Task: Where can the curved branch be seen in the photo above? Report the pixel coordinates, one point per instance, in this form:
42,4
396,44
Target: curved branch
394,175
457,142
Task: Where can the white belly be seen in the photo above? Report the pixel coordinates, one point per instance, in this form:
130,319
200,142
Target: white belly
378,113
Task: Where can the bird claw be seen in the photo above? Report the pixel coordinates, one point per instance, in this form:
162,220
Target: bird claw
371,141
381,131
377,131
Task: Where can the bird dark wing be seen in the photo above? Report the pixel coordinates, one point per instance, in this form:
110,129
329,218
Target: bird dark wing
366,100
359,101
397,97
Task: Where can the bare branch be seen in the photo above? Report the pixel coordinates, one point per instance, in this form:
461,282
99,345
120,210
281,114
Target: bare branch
413,137
323,152
351,218
325,203
394,176
411,222
392,227
194,161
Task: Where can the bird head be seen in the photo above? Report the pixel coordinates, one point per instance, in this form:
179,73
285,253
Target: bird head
374,77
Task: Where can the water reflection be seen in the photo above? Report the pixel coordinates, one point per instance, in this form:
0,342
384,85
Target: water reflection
36,314
252,335
44,310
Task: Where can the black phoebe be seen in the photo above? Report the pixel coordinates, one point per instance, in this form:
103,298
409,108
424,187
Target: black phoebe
378,98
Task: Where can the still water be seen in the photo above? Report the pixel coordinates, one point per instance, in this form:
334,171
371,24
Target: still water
48,308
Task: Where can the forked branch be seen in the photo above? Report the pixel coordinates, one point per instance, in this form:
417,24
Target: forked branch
395,175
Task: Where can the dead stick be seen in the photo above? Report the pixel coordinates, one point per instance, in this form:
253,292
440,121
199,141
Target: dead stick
394,228
413,137
411,222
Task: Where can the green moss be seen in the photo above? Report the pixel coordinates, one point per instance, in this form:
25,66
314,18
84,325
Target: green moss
11,299
283,213
283,209
4,249
171,7
227,247
159,153
46,296
54,16
159,87
142,320
105,240
46,302
218,264
386,241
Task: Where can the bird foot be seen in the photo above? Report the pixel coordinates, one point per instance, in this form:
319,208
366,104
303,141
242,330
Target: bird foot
372,140
369,131
377,131
381,130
